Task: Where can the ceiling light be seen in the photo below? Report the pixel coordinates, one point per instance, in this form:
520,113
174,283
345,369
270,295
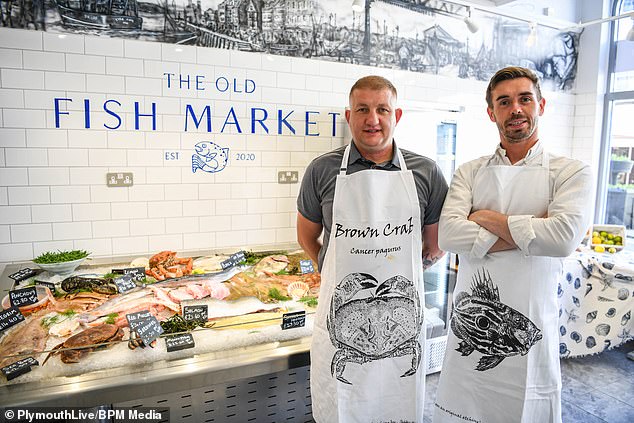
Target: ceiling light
471,24
358,5
532,36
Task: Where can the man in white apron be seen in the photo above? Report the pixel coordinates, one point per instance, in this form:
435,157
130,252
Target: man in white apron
378,207
511,217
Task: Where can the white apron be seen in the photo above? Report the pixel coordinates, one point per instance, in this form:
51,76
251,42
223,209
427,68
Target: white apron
502,360
368,338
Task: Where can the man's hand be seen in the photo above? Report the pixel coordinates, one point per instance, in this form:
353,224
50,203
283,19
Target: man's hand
431,252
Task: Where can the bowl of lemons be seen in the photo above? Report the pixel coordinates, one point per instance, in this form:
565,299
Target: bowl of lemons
607,238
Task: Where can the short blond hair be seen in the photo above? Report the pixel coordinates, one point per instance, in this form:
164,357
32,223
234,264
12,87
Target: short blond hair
374,82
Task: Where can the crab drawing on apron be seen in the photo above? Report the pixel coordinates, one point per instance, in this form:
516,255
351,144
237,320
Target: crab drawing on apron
374,324
367,344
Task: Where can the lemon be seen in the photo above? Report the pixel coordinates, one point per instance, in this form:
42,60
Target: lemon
612,250
599,248
596,240
595,234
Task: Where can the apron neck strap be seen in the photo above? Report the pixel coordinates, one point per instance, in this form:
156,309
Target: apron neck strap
346,155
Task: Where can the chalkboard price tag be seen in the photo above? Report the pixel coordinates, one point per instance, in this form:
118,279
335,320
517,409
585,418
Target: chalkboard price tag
179,342
145,325
306,266
10,317
22,274
18,368
233,260
22,297
132,318
125,283
295,319
195,313
49,285
137,273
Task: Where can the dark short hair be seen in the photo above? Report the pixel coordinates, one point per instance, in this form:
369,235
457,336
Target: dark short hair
373,82
512,72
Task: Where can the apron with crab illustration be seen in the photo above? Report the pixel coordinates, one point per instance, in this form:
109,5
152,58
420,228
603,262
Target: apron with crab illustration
502,360
368,337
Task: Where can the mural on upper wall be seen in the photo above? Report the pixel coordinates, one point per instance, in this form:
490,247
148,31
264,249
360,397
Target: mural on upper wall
416,35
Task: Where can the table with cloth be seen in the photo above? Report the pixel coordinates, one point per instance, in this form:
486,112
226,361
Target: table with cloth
596,300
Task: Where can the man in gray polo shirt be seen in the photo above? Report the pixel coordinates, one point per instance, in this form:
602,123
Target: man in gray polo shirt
318,190
378,208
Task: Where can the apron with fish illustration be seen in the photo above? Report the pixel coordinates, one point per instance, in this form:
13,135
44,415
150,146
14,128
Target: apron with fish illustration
368,337
502,361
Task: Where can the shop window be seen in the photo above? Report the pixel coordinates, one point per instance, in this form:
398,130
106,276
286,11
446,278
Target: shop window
615,202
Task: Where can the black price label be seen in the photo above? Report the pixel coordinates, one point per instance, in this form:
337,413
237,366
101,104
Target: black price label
18,368
10,317
22,297
295,319
233,260
132,318
306,266
145,325
137,273
48,285
22,274
179,342
195,313
124,283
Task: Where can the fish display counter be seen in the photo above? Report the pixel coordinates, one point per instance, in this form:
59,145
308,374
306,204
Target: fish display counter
596,302
173,332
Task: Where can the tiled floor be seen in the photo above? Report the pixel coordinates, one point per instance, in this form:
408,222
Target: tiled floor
596,389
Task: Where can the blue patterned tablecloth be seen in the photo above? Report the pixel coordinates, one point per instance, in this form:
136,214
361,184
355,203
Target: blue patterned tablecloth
596,302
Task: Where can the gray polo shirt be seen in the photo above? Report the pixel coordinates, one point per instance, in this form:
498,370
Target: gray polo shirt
317,191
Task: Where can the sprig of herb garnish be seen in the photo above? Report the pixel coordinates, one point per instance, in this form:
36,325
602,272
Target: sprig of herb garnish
111,317
275,294
47,322
310,301
60,256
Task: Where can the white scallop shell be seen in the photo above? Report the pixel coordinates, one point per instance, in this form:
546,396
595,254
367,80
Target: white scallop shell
141,262
297,289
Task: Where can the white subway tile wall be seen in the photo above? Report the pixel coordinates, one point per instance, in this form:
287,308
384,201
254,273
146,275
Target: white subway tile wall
53,166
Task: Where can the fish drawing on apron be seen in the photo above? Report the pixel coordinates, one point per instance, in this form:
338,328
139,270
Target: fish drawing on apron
502,360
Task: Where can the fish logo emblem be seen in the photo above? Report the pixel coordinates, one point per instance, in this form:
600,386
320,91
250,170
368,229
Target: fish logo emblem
486,325
209,157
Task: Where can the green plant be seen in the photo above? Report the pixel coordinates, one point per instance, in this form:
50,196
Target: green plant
619,158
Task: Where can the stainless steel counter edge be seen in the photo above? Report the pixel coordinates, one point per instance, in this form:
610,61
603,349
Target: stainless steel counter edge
164,377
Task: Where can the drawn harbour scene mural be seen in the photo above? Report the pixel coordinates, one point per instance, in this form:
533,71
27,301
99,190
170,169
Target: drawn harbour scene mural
421,36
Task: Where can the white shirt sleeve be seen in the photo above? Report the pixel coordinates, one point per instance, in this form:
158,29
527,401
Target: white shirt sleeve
569,214
455,232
